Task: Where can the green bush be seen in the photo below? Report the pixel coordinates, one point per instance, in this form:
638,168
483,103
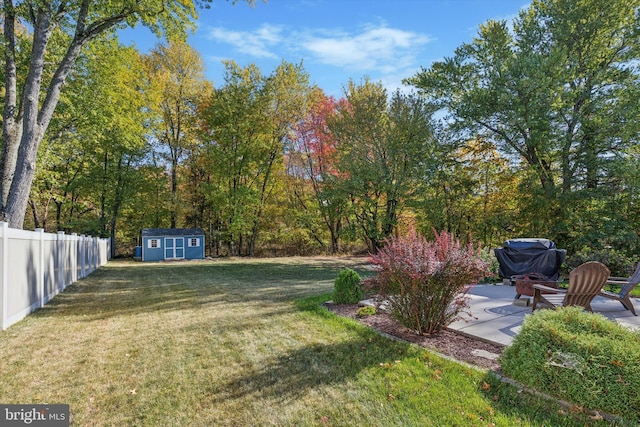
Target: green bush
366,311
616,261
580,357
347,288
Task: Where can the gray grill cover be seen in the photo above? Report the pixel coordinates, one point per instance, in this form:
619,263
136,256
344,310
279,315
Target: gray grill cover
521,256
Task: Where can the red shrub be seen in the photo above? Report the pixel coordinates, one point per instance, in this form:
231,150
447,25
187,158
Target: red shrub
425,282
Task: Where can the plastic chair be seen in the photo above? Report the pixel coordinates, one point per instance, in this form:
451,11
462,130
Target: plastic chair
585,282
627,285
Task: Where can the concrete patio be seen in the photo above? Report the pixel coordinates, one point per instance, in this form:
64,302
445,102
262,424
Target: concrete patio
497,319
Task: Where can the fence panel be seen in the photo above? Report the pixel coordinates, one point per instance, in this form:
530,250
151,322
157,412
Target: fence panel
50,246
35,266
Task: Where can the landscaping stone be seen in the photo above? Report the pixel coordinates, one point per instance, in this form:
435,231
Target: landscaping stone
486,354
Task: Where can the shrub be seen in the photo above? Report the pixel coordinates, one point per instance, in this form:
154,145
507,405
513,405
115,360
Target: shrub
347,288
366,311
425,282
616,261
488,256
580,357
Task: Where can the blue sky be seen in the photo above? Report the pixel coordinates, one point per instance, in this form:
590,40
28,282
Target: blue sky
336,40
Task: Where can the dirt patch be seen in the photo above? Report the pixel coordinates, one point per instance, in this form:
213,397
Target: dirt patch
448,342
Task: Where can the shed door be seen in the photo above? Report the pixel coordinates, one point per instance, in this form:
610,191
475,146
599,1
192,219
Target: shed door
173,248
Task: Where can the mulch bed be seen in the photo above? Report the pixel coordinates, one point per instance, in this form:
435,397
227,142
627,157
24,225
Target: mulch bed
448,342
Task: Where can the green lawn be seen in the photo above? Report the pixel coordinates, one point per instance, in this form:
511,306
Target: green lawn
224,343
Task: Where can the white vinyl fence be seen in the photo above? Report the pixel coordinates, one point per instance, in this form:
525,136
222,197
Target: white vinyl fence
35,266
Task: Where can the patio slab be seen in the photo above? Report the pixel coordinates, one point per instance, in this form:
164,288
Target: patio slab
497,319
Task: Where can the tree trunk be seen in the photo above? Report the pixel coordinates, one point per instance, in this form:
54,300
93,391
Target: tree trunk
390,219
23,127
32,132
103,197
34,212
263,198
12,116
174,190
117,202
58,215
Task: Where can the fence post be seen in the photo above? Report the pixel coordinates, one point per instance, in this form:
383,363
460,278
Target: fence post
41,283
4,273
83,255
90,254
94,253
61,262
73,247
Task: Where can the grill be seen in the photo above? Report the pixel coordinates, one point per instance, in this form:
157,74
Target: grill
528,261
522,256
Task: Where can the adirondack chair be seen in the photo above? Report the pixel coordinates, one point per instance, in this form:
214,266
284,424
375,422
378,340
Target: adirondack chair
585,281
627,285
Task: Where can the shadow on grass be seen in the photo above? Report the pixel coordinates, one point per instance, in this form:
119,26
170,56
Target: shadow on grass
510,401
128,288
292,375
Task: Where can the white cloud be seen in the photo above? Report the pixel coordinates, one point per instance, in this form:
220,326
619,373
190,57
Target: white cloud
372,48
383,53
380,49
257,43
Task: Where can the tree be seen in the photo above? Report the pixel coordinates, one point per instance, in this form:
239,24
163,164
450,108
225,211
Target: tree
235,129
120,102
87,159
312,161
554,93
30,101
383,148
490,91
472,191
177,72
245,126
288,92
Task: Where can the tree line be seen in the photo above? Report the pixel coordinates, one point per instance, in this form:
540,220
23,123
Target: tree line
530,129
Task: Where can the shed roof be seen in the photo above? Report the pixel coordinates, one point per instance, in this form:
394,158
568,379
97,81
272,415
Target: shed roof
154,232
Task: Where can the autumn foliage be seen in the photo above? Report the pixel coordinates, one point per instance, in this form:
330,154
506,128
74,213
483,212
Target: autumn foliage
425,282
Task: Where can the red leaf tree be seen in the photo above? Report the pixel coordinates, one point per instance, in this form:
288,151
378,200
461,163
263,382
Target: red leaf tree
312,159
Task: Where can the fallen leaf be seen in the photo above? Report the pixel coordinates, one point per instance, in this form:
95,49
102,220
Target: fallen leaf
325,420
596,416
390,397
485,386
576,409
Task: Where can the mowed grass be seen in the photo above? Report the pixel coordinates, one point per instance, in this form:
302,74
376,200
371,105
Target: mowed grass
239,342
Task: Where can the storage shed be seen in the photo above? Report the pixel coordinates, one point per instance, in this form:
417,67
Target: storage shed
159,244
